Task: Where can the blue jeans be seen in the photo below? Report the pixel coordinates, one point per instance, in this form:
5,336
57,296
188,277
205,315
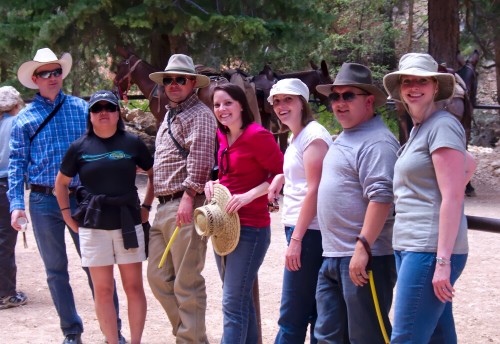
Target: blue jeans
8,239
346,313
419,316
49,230
238,276
298,297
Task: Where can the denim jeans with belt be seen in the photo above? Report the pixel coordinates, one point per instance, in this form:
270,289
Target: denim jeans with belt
298,297
346,313
419,316
49,230
8,239
240,271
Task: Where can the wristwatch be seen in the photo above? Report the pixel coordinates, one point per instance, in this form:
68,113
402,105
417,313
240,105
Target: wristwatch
442,261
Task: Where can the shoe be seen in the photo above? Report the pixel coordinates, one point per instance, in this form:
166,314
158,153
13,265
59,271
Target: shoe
13,301
73,339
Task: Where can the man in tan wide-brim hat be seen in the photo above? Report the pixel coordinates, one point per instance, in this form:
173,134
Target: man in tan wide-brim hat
30,157
184,157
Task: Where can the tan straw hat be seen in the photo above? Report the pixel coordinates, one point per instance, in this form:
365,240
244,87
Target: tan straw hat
417,64
43,56
355,75
180,64
213,220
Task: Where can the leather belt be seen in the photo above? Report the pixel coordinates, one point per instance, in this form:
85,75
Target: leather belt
48,190
168,198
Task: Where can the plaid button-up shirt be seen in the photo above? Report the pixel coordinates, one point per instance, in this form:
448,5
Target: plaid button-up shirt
41,159
194,127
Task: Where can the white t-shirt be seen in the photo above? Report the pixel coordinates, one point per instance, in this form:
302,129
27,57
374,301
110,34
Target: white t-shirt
295,175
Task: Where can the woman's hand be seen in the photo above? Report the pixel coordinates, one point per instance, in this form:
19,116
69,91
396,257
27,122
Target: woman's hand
274,189
292,256
443,289
209,189
238,201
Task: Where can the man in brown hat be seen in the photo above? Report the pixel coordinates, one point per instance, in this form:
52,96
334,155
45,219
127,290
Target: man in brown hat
355,213
184,158
30,156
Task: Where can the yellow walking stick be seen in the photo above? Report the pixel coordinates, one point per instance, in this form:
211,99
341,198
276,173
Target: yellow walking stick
372,287
164,257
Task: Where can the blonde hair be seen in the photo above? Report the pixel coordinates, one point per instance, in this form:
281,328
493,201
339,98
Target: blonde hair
9,99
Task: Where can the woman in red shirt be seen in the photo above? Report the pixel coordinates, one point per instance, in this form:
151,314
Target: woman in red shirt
248,158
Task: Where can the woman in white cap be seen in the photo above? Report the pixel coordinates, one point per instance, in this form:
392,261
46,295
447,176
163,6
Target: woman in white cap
248,159
430,230
109,216
301,176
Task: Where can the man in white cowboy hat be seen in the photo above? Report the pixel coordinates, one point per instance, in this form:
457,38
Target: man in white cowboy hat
36,153
355,214
184,158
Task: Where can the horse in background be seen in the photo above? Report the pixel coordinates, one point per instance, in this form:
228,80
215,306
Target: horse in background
234,76
265,80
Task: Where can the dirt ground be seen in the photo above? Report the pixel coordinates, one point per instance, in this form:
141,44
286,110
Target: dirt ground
475,306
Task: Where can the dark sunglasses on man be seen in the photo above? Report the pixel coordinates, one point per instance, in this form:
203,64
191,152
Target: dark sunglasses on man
108,107
46,74
179,80
346,96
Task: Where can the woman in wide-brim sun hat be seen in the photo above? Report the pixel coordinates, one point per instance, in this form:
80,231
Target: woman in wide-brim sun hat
430,229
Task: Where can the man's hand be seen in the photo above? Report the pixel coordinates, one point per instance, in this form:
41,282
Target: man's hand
185,210
16,214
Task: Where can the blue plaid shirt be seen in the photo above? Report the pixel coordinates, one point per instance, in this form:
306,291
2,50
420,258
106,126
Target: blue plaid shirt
41,160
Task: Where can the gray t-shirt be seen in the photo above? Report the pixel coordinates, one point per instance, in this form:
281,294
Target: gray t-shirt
416,192
357,169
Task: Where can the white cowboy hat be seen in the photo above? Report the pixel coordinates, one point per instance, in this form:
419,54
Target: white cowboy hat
180,64
418,64
289,86
43,56
213,220
355,75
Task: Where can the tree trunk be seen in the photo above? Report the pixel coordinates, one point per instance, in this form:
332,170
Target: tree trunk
444,31
160,50
497,65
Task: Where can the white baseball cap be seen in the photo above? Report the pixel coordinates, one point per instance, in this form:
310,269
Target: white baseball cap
289,86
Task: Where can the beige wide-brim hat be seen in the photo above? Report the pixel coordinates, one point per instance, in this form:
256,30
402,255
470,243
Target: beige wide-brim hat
43,56
355,75
180,64
213,220
417,64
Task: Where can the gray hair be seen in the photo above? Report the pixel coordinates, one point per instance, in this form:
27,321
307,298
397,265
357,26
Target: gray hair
9,98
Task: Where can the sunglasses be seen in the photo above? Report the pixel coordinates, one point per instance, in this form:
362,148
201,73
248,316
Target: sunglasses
224,166
108,107
273,207
46,74
179,80
346,96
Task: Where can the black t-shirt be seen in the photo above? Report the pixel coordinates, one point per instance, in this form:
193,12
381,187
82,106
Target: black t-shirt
108,167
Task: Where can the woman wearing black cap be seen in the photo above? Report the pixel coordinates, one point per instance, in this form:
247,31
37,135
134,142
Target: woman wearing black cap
108,218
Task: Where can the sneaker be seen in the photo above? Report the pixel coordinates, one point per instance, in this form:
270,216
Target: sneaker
73,339
13,301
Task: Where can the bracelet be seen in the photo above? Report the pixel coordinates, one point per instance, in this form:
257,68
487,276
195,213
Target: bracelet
442,261
63,209
147,207
365,244
299,240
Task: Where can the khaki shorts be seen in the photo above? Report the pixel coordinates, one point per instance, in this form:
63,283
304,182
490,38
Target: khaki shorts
105,247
